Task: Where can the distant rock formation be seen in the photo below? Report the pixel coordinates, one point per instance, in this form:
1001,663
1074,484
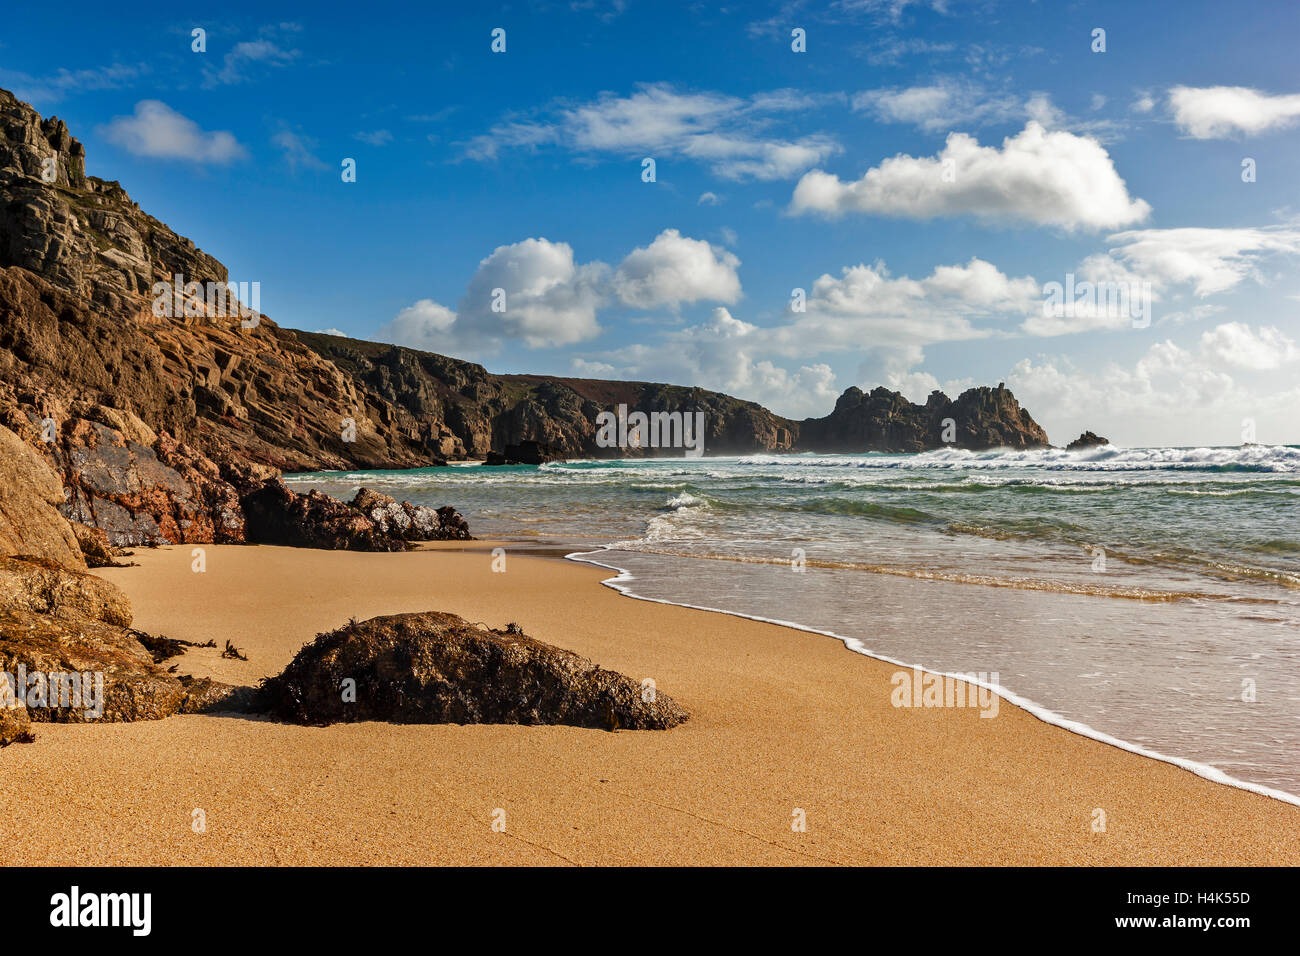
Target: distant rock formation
525,453
438,668
886,421
1087,440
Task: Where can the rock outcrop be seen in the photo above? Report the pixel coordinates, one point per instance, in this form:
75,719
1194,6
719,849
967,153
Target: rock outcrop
439,668
525,453
1087,440
68,652
372,522
30,496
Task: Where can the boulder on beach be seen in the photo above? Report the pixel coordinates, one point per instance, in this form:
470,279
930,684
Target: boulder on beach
438,668
411,522
276,515
371,522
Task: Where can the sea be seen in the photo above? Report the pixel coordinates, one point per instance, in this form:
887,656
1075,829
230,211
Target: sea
1146,597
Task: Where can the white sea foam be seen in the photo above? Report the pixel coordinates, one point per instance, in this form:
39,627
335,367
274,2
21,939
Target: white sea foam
623,580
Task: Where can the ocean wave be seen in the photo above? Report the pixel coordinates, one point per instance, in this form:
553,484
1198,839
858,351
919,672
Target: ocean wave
1261,458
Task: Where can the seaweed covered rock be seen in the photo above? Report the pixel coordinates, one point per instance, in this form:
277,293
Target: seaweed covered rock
438,668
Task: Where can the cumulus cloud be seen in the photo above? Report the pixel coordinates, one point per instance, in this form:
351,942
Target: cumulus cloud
1044,177
675,269
865,304
1238,345
1171,394
1220,112
729,134
532,291
549,298
864,309
535,292
425,325
159,132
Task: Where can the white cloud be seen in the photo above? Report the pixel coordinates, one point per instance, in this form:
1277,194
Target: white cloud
1210,260
426,325
708,199
238,65
51,88
1237,345
866,306
1171,395
941,105
549,298
297,150
675,269
1220,112
531,291
1049,178
727,133
379,137
726,354
158,131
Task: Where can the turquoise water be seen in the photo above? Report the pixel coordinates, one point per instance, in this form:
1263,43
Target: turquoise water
1141,594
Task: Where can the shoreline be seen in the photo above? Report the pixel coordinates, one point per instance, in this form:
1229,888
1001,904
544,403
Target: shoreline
1048,716
779,723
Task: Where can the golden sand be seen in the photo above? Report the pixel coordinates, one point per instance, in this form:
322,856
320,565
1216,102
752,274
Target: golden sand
782,721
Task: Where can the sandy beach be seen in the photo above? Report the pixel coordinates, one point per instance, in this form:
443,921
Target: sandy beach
781,721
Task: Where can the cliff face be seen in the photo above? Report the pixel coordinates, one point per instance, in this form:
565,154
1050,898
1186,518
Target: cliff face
477,411
81,233
157,424
472,411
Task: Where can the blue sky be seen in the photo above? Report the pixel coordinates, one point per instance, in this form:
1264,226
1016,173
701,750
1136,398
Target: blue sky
921,172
